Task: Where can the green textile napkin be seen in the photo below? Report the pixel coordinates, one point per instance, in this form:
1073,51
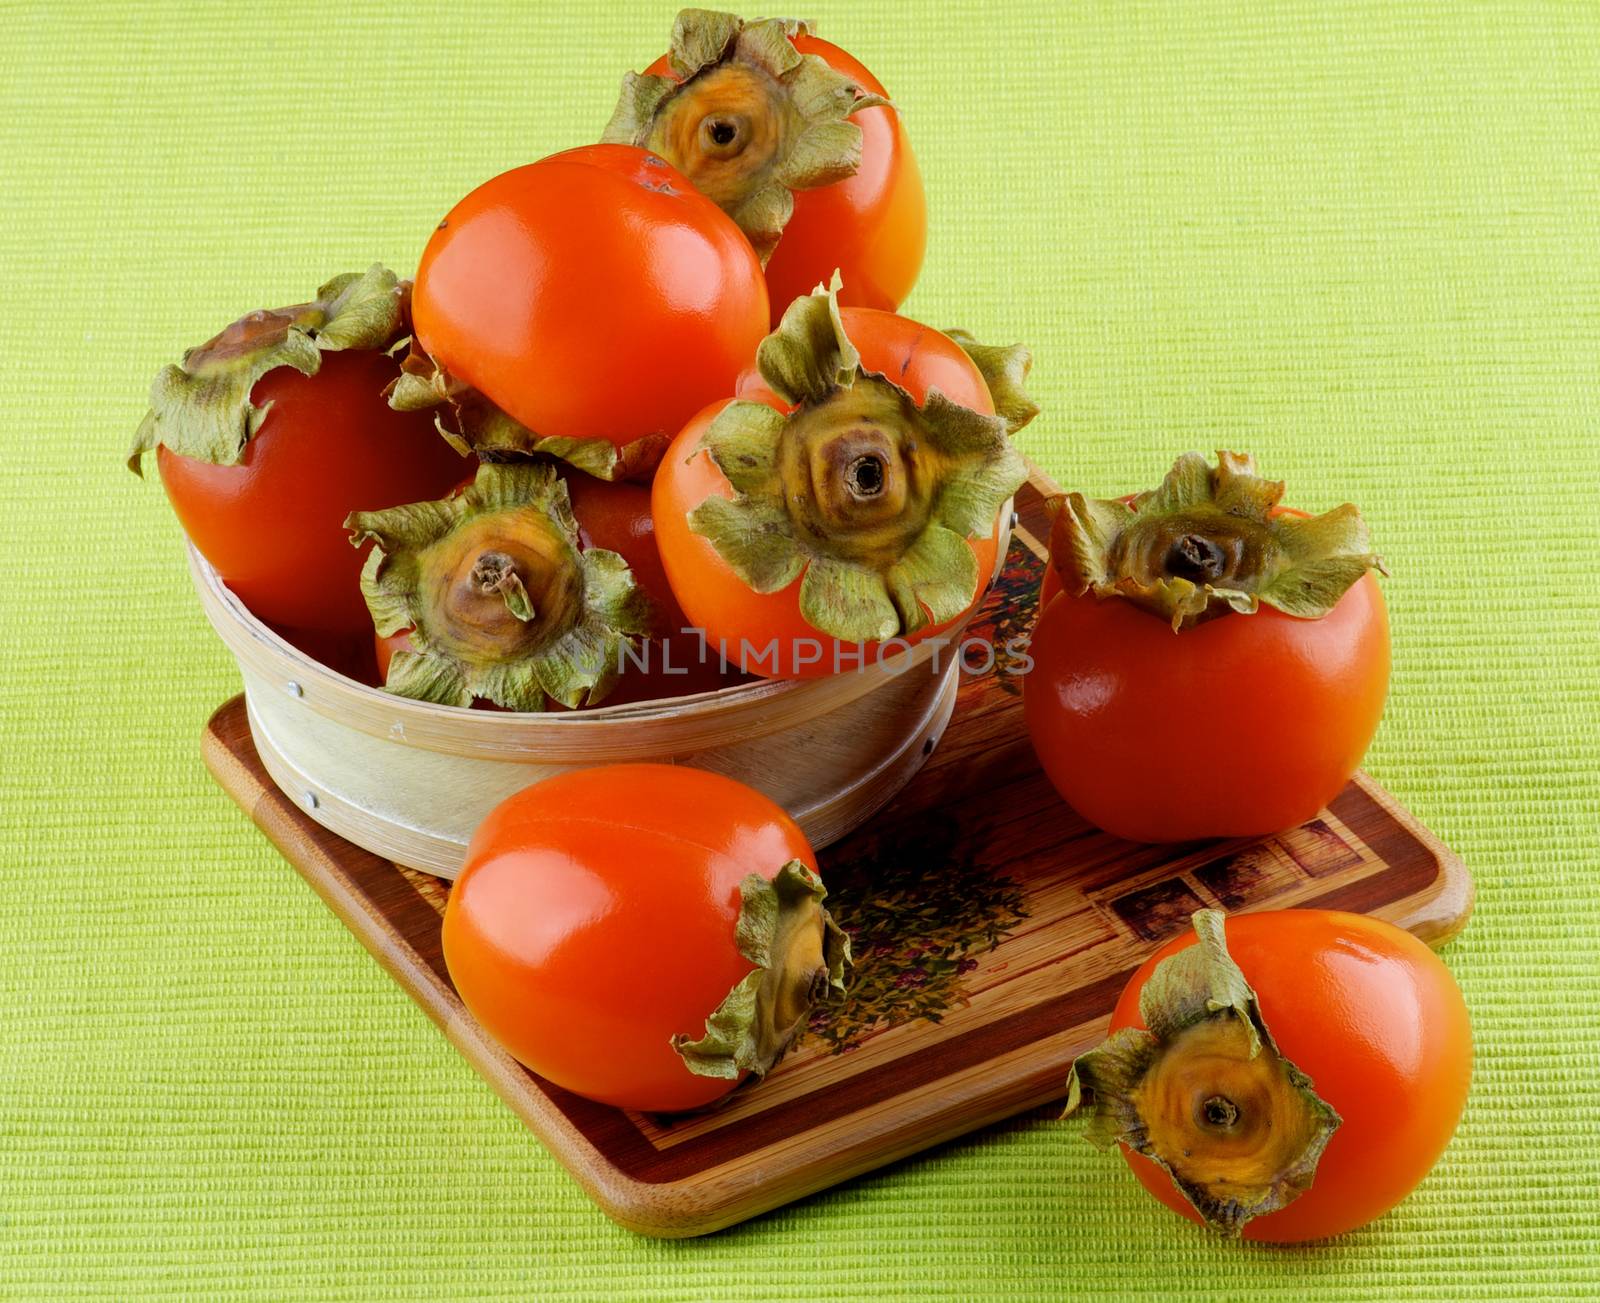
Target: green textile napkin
1361,240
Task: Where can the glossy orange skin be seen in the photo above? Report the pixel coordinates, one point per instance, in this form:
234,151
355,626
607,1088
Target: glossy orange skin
1239,727
714,598
1375,1019
616,516
1049,586
273,524
872,227
595,918
594,294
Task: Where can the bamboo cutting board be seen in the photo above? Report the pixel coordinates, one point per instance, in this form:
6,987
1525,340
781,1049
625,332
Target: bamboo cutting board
993,931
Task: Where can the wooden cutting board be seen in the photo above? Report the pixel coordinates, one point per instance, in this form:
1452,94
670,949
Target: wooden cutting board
993,930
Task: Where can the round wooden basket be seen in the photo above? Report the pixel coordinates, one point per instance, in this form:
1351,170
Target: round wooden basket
410,780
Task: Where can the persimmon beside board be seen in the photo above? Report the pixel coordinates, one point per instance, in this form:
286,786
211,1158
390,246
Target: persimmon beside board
993,930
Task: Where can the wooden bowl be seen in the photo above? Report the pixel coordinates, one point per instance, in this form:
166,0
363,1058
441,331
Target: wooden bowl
410,780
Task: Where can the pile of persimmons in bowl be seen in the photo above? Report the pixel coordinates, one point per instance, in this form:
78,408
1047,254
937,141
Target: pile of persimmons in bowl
653,394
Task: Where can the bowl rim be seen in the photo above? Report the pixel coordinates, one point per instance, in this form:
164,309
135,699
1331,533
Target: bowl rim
687,723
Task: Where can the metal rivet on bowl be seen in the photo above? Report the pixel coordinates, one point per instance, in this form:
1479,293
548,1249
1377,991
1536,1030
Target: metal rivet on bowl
311,801
294,689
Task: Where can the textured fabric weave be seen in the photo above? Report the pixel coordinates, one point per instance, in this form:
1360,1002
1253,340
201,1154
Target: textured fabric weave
1359,239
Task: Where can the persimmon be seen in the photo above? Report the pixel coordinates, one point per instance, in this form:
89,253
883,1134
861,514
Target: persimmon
798,143
1213,665
595,299
673,661
489,594
647,936
847,503
1289,1075
268,435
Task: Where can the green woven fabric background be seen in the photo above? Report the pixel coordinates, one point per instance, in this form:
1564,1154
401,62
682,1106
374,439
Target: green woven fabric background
1359,239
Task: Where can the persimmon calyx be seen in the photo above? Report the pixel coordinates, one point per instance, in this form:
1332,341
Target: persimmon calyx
1205,1092
499,600
800,955
200,407
469,423
746,117
1005,370
1208,542
864,496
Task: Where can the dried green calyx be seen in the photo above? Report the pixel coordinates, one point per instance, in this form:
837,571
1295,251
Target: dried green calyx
1205,1092
469,422
1005,370
746,117
800,955
499,600
1207,542
868,496
201,406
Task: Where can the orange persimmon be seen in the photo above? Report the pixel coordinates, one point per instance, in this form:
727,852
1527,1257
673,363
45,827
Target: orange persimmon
797,141
644,935
1207,664
593,295
846,504
1362,1060
268,435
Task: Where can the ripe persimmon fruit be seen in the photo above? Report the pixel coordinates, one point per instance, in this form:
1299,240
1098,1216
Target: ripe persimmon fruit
594,296
797,141
1289,1075
269,435
849,496
1207,664
647,936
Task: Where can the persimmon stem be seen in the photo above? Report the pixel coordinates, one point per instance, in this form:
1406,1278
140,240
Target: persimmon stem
1196,558
495,572
1218,1113
492,572
866,476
